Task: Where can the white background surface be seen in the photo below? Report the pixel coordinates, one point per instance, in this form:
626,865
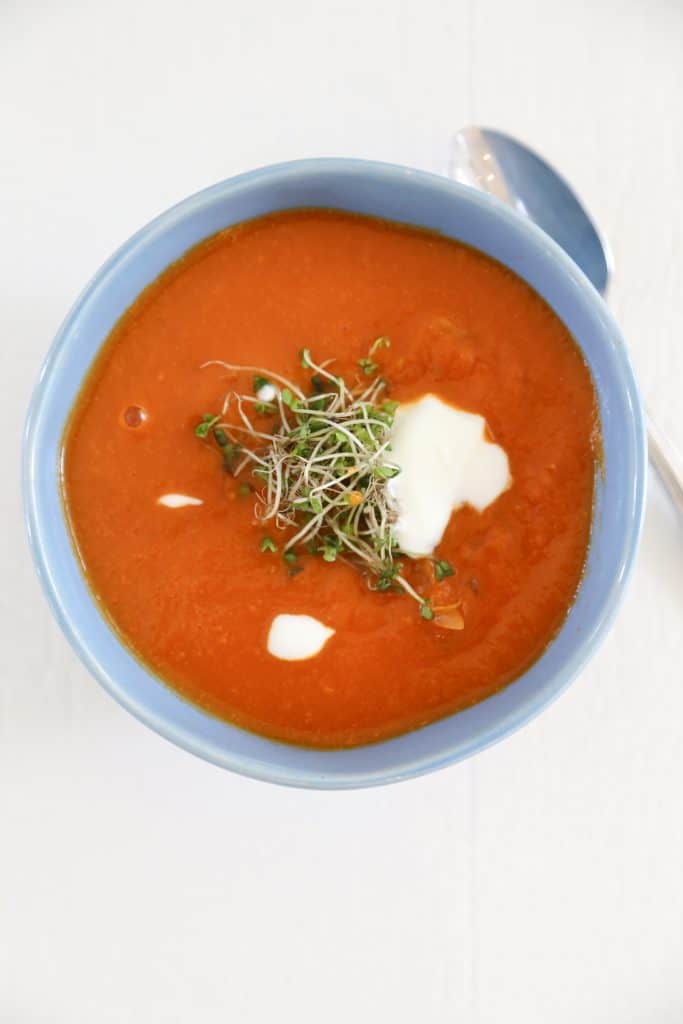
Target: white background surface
540,882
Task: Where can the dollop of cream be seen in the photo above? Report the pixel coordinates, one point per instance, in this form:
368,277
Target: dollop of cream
178,500
445,462
266,393
297,637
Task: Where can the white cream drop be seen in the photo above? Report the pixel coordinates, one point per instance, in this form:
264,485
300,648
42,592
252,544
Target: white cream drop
297,637
266,393
445,462
178,500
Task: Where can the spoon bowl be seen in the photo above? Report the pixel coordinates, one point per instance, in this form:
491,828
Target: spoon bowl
545,197
500,165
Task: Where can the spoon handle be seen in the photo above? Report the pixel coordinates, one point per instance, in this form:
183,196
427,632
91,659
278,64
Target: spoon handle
667,461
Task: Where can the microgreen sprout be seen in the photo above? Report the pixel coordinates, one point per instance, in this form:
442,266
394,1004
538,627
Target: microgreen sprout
321,468
442,569
205,425
379,343
368,367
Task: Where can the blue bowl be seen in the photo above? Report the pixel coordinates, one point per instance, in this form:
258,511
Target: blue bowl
398,194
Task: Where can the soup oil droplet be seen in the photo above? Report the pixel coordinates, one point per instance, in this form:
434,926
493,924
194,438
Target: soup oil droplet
178,500
135,416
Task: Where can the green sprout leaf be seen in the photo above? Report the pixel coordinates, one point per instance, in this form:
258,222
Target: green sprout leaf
205,426
386,578
442,569
368,367
386,472
230,453
288,398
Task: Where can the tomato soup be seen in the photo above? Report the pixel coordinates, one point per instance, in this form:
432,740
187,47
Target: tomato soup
171,534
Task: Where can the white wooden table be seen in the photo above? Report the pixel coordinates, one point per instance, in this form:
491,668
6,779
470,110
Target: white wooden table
541,882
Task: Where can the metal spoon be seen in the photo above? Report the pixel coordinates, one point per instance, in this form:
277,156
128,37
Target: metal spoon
498,164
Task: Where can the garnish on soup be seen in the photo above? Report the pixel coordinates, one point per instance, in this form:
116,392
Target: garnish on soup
322,458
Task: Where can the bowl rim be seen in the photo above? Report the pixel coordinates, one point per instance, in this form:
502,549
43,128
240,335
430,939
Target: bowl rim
185,738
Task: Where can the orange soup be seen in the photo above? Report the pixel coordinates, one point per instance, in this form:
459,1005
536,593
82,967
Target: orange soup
272,364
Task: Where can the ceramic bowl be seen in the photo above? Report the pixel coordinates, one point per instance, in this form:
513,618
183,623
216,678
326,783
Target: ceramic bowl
399,194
